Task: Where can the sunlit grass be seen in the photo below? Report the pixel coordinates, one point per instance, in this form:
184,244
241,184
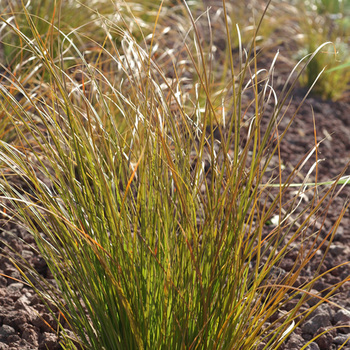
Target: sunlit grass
326,21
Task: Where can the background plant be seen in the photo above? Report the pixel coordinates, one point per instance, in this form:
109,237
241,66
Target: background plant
326,21
147,189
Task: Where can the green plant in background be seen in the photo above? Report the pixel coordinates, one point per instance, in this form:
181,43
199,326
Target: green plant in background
328,7
148,199
326,21
44,17
74,18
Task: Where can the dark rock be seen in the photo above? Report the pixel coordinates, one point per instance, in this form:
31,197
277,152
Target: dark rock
15,318
22,302
22,344
31,336
27,254
295,341
342,316
28,238
336,248
3,346
48,341
315,323
312,346
290,305
313,299
261,346
339,235
6,331
334,279
3,281
14,290
44,322
341,339
287,264
325,309
13,338
12,272
343,327
15,287
325,340
36,300
39,264
320,285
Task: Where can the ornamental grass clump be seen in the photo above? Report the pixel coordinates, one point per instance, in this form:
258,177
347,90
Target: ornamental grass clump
148,186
